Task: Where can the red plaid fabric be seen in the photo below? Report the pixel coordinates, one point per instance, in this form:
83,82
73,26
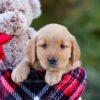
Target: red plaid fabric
3,39
70,87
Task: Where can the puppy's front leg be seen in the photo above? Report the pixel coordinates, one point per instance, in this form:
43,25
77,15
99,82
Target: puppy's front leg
21,71
53,77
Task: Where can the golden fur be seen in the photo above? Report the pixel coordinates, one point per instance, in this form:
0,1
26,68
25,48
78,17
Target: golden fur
51,40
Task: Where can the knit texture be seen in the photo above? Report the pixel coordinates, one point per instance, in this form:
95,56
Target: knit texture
12,47
16,16
70,87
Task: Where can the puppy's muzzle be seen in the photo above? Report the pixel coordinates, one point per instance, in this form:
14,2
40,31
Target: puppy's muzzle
52,61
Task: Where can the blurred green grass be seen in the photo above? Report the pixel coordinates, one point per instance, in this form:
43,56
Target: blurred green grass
82,17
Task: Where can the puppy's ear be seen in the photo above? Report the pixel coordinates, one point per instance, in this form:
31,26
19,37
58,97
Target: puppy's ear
75,51
30,53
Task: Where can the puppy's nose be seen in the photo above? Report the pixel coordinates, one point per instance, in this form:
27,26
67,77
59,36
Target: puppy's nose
52,61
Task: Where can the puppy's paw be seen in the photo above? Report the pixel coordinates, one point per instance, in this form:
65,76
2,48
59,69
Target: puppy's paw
20,73
52,79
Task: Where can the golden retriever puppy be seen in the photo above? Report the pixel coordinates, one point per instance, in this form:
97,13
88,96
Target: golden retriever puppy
54,49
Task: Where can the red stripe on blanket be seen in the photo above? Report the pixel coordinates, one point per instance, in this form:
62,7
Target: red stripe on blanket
63,82
6,84
77,92
71,87
73,83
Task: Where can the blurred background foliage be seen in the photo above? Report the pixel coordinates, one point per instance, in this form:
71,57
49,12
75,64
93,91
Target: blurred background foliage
82,17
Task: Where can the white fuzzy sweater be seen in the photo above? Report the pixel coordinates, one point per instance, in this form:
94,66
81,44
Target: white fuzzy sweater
16,17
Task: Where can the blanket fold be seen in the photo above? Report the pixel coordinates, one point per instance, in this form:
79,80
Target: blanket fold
34,87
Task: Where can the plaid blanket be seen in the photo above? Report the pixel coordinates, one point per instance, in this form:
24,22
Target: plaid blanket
70,87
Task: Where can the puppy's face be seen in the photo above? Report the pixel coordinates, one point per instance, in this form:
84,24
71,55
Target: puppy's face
54,47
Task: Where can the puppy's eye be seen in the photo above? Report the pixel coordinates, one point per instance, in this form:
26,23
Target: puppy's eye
44,45
62,46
